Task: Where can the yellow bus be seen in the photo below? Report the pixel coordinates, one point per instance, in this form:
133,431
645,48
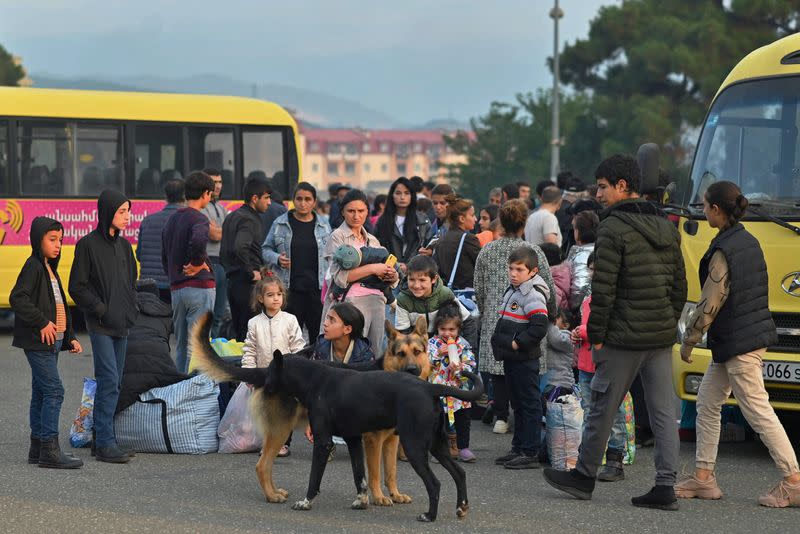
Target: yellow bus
60,148
750,137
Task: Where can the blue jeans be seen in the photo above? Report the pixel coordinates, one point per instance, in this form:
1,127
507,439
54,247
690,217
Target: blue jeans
47,392
221,312
522,377
619,435
109,362
188,304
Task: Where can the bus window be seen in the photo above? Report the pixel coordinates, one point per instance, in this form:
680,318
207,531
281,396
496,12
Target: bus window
262,152
69,159
3,157
158,157
99,159
213,147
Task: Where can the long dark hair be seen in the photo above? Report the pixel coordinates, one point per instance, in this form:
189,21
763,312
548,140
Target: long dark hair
729,198
385,225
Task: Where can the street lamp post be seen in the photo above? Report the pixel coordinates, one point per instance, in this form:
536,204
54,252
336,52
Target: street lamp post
555,142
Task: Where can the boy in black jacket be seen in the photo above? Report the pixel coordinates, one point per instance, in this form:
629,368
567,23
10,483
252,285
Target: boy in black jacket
103,284
516,340
42,328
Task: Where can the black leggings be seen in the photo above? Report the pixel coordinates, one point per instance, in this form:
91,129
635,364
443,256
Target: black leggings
501,398
462,425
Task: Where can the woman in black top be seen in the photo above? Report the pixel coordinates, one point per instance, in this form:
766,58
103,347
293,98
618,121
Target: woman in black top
734,312
401,229
461,221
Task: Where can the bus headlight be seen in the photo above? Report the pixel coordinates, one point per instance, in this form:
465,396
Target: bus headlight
691,384
688,308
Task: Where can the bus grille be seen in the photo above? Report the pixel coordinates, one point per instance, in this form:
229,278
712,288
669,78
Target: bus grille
784,395
788,325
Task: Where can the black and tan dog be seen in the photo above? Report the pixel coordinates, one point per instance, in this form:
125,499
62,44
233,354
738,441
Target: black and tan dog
349,403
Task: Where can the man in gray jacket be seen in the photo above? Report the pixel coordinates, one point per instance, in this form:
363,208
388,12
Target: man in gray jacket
216,214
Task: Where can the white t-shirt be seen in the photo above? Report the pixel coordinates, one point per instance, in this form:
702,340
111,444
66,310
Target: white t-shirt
540,223
400,222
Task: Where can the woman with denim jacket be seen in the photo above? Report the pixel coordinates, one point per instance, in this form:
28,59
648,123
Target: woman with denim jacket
294,248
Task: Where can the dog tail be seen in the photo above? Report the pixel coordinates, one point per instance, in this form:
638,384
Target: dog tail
211,364
439,390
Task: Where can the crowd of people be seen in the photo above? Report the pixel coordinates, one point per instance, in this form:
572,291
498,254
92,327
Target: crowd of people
578,288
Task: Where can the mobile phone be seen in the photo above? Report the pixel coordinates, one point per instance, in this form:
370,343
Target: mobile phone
391,260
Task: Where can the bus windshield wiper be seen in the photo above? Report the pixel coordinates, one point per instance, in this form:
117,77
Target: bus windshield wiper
780,222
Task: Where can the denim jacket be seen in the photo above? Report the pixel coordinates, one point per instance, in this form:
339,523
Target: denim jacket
279,241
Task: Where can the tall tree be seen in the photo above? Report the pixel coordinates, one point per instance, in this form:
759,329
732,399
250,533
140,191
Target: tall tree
10,72
653,66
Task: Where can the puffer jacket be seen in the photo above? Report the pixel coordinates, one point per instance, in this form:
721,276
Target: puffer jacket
639,283
560,354
581,278
148,249
279,241
523,318
562,279
362,351
267,334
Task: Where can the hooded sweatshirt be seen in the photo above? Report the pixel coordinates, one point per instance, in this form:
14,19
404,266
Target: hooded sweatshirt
103,277
33,297
639,283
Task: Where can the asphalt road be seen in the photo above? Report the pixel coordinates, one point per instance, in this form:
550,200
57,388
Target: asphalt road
220,493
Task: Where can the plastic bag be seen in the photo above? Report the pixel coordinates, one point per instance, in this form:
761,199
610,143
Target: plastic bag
236,431
564,422
223,347
80,433
630,431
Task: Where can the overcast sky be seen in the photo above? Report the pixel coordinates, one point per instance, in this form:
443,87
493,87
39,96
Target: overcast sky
415,60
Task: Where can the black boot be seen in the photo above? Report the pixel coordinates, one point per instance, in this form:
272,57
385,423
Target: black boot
94,447
660,498
50,455
572,482
112,455
612,471
33,452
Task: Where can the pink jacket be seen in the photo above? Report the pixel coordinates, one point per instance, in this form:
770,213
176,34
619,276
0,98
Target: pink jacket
562,280
584,350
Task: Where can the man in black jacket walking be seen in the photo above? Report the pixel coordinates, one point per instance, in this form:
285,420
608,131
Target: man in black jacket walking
240,251
103,284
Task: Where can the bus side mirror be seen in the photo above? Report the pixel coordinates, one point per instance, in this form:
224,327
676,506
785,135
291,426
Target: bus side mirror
648,159
691,227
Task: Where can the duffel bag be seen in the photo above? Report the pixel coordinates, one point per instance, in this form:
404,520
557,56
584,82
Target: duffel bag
181,418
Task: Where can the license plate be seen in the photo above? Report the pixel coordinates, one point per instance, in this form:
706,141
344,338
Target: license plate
782,372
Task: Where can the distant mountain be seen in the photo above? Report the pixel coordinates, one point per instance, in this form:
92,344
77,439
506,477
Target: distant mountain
310,106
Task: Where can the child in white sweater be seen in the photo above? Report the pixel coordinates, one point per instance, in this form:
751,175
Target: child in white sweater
272,329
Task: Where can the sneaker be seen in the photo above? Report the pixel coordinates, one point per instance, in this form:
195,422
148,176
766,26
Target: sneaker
659,498
466,455
692,488
572,482
522,462
500,427
284,452
506,457
781,495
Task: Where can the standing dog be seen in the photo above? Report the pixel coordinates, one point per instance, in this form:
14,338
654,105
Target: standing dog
350,403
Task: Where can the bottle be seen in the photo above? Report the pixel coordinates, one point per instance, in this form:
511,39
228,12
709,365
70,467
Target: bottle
452,351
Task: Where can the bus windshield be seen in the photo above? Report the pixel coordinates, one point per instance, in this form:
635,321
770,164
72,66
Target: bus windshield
750,137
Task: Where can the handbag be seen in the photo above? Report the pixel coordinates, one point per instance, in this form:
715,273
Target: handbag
465,296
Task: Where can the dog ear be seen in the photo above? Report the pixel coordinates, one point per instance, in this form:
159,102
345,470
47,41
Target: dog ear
277,357
421,329
391,331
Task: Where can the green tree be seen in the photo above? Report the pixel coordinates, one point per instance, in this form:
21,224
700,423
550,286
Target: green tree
10,73
512,142
653,66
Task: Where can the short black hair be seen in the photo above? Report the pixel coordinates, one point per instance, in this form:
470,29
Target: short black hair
198,183
305,186
525,255
352,196
552,252
175,190
256,187
620,167
542,185
511,191
442,189
422,264
449,311
429,185
522,184
211,171
418,183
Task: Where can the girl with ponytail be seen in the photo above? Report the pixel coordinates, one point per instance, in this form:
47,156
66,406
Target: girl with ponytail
734,313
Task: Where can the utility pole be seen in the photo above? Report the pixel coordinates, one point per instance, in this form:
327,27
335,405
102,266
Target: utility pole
555,142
